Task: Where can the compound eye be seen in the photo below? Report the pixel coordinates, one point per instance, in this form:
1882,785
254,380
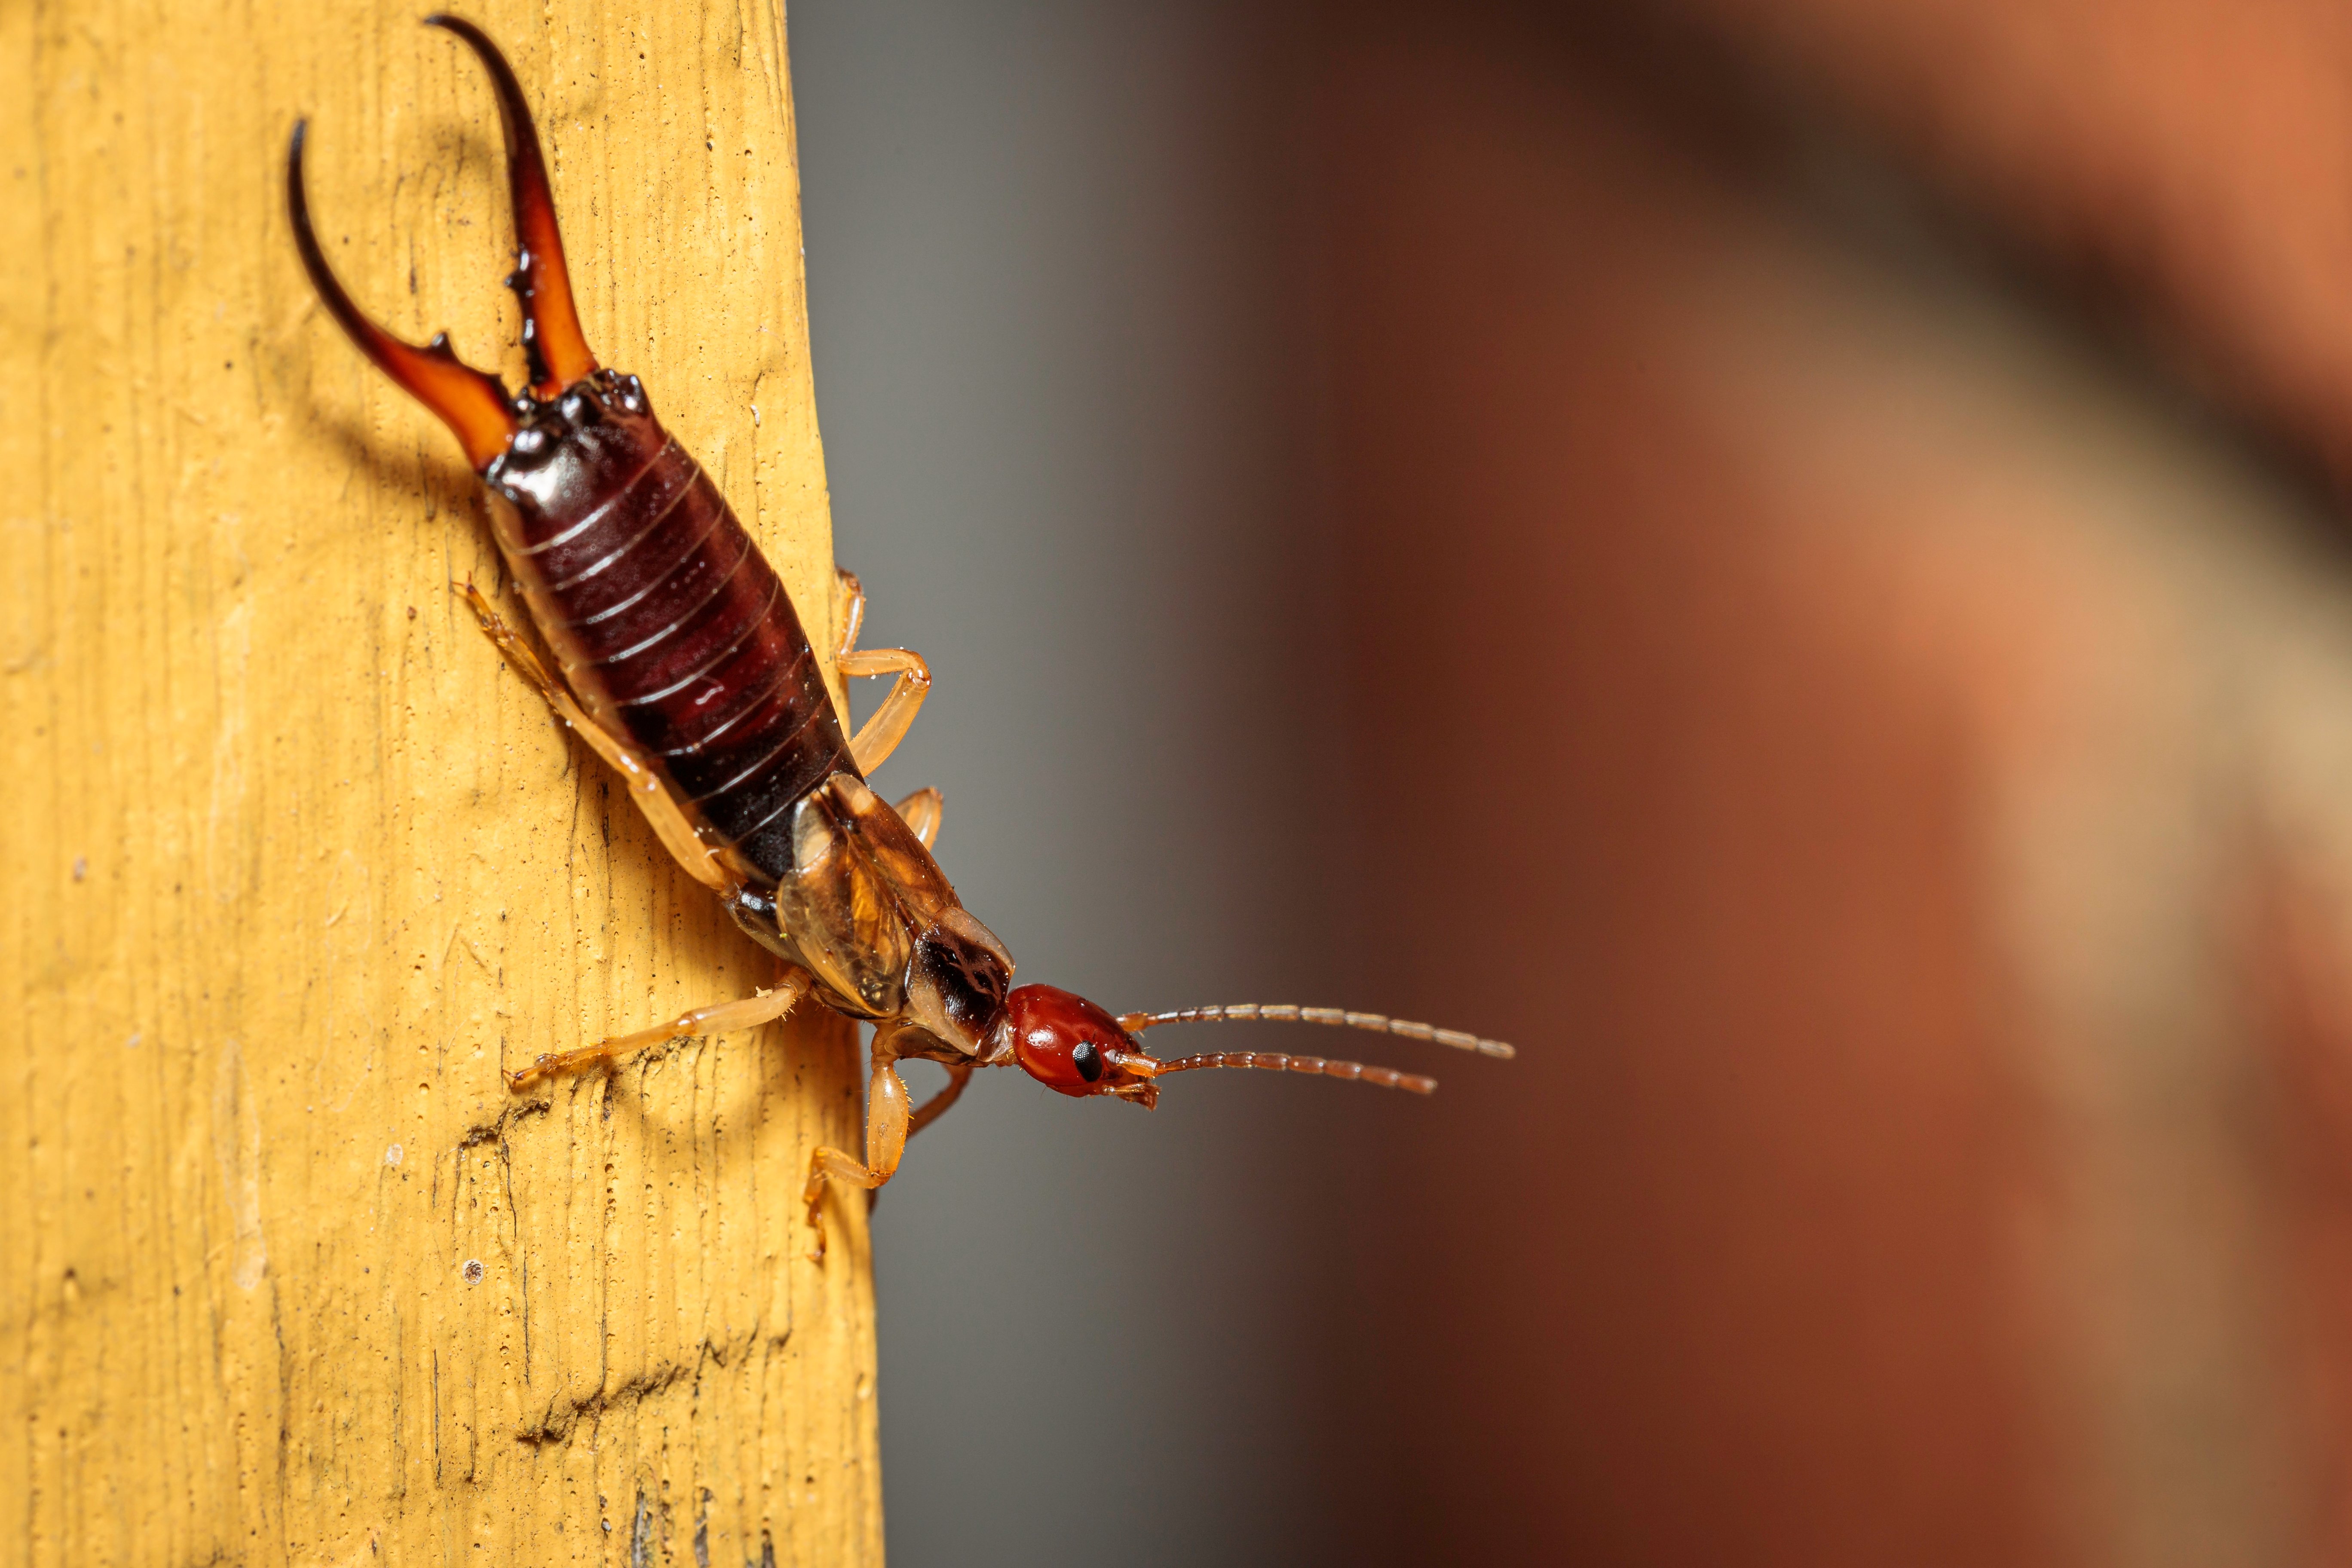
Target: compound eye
1088,1059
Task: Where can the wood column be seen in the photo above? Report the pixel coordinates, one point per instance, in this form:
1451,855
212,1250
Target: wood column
290,863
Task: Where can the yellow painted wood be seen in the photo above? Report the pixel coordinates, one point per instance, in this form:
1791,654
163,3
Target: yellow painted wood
288,863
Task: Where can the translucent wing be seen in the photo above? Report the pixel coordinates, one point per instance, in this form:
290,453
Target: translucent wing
883,838
878,922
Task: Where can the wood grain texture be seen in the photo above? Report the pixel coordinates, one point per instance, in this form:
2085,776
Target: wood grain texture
291,863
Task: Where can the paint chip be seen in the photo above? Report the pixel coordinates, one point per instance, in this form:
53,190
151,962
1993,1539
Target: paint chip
472,1271
392,1156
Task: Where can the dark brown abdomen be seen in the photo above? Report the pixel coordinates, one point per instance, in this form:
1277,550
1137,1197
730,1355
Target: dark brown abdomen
670,626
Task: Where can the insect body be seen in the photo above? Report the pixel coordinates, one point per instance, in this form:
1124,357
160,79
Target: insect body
681,662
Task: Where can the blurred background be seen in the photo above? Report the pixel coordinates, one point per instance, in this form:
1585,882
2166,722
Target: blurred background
1792,559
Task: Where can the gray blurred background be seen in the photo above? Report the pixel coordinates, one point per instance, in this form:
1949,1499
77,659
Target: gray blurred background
1039,285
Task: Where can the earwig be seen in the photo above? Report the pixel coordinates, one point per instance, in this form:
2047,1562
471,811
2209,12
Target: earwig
680,660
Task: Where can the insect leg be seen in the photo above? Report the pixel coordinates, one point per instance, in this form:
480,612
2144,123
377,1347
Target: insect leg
921,812
930,1110
872,745
853,616
516,652
669,822
886,1140
748,1013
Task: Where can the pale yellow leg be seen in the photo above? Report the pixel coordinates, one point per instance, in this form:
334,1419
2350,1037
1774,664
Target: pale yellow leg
670,822
931,1110
853,614
921,812
886,1140
718,1019
873,744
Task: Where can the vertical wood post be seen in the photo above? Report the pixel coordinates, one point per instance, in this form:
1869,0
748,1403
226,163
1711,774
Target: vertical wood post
289,864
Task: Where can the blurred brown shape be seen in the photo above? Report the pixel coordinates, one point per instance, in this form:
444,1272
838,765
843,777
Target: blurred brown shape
2196,154
1892,775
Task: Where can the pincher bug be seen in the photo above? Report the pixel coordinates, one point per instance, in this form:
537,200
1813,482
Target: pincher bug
680,660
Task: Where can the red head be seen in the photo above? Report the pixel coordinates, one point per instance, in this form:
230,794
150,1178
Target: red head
1073,1047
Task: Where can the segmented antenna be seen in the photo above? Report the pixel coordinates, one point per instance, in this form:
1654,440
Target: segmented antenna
1276,1062
1336,1018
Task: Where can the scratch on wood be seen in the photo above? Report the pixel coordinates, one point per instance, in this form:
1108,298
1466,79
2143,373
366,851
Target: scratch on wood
495,1130
641,1533
562,1416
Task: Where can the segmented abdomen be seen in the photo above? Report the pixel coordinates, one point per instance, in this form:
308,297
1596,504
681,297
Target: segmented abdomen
670,626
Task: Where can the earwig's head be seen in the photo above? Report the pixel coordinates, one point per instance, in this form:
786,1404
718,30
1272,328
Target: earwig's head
1074,1047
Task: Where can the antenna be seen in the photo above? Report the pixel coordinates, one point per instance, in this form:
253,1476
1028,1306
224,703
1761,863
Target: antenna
1275,1061
1335,1018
